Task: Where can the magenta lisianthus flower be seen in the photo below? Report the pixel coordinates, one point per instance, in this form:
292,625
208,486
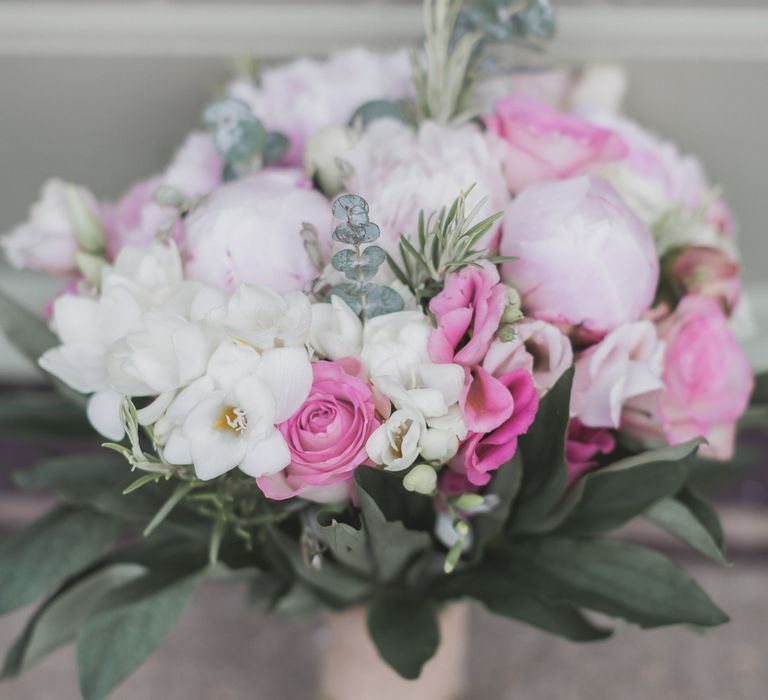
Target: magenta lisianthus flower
707,382
483,453
326,437
468,309
583,444
543,144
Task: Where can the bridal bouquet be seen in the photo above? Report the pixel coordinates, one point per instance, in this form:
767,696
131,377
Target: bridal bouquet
376,338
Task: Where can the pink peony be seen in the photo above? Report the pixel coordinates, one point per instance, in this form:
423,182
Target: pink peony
540,348
306,95
484,452
249,231
584,259
468,312
582,446
326,436
708,382
47,240
544,145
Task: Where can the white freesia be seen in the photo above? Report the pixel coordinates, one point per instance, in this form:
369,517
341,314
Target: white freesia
336,330
264,318
628,362
440,441
227,418
395,344
396,443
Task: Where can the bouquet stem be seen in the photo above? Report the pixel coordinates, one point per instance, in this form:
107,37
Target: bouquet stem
352,668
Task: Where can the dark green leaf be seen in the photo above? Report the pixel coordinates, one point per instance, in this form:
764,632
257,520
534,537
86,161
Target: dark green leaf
616,578
42,414
393,546
40,556
416,511
542,450
405,632
275,147
57,620
760,392
27,332
348,544
673,516
617,493
129,624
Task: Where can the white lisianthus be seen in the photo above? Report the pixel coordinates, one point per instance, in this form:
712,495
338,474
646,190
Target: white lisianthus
265,319
336,330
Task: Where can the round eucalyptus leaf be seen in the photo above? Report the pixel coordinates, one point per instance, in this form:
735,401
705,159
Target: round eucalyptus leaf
345,260
373,256
351,208
275,148
226,112
382,300
349,293
376,109
241,142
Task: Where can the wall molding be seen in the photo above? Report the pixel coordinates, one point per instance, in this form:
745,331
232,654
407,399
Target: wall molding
133,29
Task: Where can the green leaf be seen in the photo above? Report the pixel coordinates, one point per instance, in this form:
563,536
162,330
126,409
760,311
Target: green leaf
42,413
616,578
760,392
382,300
676,518
617,493
704,512
393,546
415,510
375,109
57,620
505,485
40,556
127,627
348,544
275,147
27,332
543,453
405,632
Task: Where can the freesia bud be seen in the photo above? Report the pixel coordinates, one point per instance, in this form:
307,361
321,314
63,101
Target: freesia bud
421,479
90,265
88,230
322,157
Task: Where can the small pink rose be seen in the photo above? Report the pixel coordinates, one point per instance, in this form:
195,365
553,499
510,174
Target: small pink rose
326,436
468,312
544,145
484,452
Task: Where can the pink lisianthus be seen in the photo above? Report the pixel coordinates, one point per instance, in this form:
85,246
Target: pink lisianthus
582,446
484,452
326,437
468,312
584,259
708,381
540,348
543,144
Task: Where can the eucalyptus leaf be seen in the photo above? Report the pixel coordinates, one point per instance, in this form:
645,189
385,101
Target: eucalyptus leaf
276,146
40,556
351,208
376,109
349,293
58,619
382,300
405,632
241,142
356,234
625,580
127,626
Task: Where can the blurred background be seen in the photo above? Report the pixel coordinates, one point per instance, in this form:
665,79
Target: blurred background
102,92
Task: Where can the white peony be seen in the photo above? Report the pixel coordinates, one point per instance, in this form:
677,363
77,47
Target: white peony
400,171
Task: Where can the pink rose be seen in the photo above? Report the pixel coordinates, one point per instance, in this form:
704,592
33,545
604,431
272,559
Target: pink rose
540,348
582,446
468,312
708,382
707,271
482,453
584,258
544,145
249,231
326,436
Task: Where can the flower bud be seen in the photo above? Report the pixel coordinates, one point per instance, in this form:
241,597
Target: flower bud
421,479
88,230
322,156
90,265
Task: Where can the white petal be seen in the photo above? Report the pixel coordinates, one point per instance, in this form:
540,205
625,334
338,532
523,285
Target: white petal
151,413
79,366
288,373
104,414
267,456
75,319
176,450
193,349
448,378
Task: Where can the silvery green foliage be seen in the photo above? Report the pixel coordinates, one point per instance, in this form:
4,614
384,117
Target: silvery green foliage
360,264
240,138
509,20
377,109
